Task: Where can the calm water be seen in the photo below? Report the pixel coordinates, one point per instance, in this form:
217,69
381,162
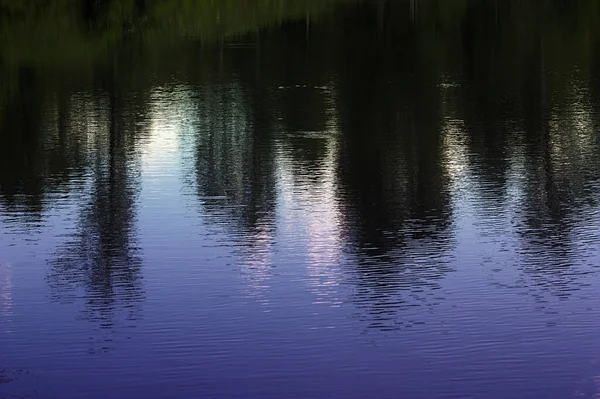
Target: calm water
377,199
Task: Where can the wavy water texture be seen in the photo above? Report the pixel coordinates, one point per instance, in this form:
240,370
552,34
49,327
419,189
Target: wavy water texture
294,199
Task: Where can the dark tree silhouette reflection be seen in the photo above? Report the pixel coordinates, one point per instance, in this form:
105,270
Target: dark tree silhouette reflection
101,256
390,120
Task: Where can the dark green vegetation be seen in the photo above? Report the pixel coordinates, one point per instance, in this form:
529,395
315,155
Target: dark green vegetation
61,32
76,34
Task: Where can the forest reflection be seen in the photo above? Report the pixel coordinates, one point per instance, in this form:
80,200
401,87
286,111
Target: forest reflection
363,138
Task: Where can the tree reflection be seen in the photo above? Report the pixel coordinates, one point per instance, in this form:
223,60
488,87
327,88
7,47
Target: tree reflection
365,126
397,77
38,154
395,196
101,255
528,117
233,173
318,121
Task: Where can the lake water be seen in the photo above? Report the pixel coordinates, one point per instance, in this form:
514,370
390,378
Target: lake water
376,199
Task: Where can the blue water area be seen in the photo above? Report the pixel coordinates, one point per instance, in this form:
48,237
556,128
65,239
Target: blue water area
374,199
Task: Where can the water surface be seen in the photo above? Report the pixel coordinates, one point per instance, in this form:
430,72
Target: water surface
376,199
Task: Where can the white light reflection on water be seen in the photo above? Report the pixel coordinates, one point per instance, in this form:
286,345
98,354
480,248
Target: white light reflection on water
308,205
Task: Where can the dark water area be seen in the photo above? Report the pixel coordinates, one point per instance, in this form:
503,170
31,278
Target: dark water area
287,199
